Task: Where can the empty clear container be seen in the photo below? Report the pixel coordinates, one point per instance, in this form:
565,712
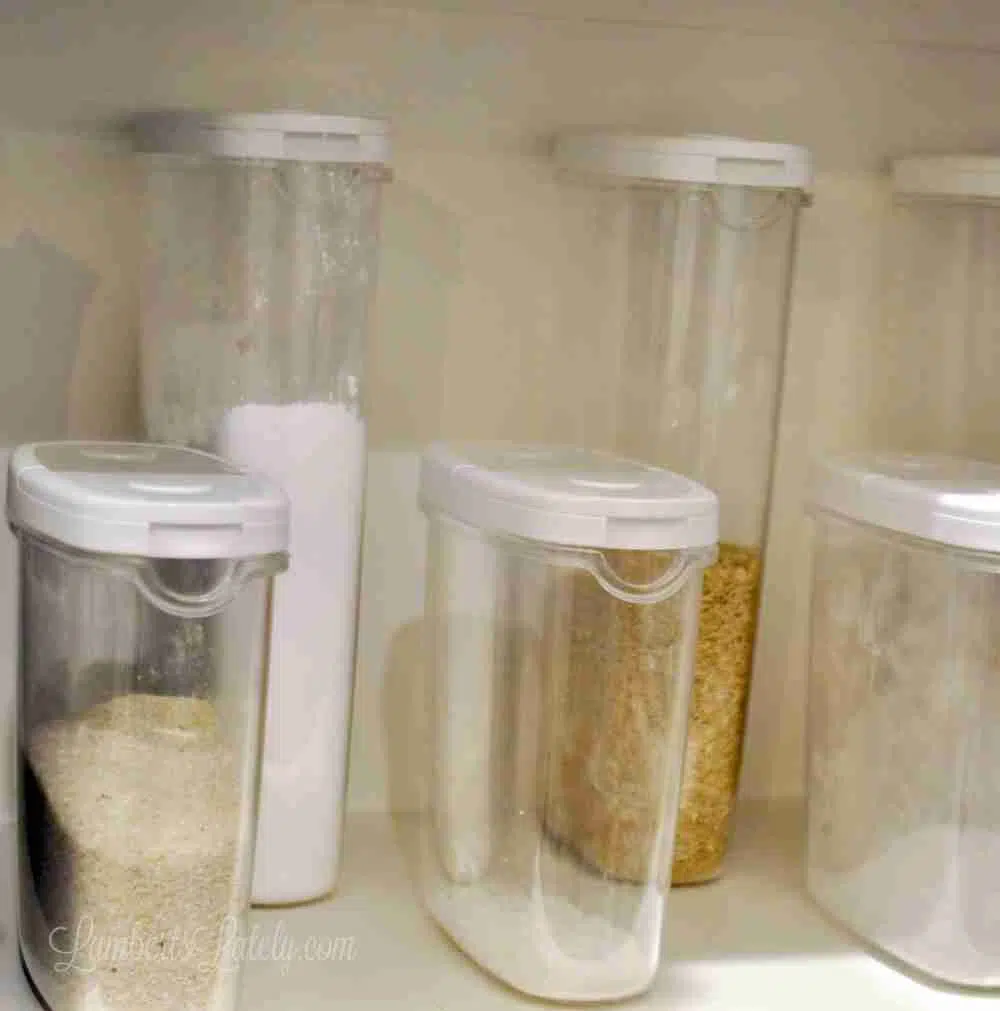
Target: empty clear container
700,235
562,611
145,587
938,350
261,250
904,710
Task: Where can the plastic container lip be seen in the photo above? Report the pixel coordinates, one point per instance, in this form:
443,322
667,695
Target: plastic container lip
945,500
705,159
959,178
145,500
267,136
568,497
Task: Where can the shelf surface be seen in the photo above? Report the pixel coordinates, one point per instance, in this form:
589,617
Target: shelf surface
748,942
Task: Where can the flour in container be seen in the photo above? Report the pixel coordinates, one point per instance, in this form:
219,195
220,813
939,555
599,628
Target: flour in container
316,452
904,802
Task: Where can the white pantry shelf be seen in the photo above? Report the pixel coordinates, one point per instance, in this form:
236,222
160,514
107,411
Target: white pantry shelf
750,942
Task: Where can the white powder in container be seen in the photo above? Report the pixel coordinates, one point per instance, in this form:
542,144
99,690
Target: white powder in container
546,925
904,800
466,647
316,452
918,900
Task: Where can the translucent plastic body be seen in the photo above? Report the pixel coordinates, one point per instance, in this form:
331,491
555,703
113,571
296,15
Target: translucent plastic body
256,284
938,354
548,835
257,279
139,720
904,747
701,310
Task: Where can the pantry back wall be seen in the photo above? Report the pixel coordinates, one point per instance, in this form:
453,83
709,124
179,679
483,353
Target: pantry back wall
487,321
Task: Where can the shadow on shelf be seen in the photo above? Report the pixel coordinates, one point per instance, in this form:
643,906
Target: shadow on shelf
759,906
406,743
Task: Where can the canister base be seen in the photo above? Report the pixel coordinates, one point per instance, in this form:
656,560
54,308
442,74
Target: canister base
705,878
554,996
36,993
897,962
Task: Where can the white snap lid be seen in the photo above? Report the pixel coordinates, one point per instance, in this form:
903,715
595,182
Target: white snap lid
709,160
268,136
937,498
568,497
959,177
144,499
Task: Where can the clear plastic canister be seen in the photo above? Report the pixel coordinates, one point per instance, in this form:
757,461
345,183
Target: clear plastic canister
702,238
261,248
145,584
904,710
938,354
562,609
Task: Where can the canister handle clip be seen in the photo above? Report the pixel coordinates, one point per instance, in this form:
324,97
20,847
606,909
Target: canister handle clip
234,575
665,585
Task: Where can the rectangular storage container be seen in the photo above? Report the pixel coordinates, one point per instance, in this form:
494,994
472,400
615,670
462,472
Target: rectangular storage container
562,613
145,590
904,711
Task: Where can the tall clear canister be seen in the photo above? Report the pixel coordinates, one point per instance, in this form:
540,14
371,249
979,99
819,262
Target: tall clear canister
260,257
703,235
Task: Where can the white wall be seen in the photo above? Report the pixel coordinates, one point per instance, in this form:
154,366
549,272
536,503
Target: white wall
68,234
483,308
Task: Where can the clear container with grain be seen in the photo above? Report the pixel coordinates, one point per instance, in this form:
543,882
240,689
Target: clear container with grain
904,710
145,585
562,609
700,234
